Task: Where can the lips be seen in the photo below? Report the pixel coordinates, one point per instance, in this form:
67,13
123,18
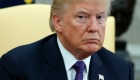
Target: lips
91,40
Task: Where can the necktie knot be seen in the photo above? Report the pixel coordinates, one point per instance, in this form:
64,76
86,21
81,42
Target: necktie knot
79,67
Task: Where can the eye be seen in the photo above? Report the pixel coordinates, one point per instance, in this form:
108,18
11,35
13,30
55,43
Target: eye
81,18
101,19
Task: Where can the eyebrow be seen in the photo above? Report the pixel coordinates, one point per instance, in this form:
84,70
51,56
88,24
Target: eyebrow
105,13
82,11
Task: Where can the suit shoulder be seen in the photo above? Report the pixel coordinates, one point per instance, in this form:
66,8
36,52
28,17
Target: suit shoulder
28,50
110,57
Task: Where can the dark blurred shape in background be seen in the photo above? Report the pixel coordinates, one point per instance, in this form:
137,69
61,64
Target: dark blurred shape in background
122,10
9,3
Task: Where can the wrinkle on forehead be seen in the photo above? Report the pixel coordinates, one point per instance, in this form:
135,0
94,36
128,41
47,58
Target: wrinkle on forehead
89,6
74,1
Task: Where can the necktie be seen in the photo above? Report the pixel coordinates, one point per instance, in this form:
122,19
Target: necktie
79,67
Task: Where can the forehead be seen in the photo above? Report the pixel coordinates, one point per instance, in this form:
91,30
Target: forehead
88,5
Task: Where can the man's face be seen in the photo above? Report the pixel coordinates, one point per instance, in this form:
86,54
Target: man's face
82,27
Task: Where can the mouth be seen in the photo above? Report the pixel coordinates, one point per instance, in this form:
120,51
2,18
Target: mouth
92,40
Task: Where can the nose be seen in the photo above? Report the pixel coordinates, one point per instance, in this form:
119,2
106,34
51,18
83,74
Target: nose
93,25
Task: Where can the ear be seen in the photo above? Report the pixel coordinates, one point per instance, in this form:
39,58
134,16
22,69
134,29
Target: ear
56,22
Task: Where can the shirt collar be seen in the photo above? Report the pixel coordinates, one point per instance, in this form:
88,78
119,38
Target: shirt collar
69,59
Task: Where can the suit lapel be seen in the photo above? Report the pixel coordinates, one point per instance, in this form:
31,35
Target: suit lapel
54,65
97,70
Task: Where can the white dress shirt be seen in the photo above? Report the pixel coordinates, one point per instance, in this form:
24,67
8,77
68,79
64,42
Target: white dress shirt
70,60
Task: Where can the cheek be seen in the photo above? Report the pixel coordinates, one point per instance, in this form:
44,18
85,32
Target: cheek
102,33
73,29
70,31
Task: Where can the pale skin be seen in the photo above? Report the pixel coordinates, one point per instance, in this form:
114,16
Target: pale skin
81,28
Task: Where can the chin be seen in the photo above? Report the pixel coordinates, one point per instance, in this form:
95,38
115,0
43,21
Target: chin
92,49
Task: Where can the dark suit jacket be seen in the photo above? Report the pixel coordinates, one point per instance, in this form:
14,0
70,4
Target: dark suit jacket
42,60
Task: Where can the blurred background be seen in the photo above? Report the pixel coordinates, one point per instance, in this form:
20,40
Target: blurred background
126,13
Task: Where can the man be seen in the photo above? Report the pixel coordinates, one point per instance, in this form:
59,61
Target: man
75,52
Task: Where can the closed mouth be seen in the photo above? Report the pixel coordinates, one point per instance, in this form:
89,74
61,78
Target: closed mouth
91,40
